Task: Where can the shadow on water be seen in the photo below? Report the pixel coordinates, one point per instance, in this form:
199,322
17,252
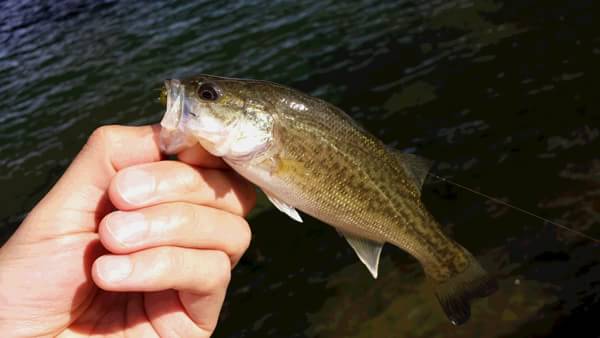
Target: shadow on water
500,94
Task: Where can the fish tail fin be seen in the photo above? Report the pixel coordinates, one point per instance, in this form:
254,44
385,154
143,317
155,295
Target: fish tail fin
455,293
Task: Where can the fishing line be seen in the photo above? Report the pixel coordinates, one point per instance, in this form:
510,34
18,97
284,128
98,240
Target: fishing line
514,207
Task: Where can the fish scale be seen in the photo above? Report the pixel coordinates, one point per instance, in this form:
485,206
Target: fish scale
307,154
388,198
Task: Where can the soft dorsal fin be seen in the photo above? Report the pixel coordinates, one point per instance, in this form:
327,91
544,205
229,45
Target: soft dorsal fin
284,207
417,167
368,251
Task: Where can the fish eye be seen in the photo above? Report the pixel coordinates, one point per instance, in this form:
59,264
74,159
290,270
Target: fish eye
208,92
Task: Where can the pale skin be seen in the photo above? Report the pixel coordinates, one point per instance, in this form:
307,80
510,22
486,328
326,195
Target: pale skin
126,244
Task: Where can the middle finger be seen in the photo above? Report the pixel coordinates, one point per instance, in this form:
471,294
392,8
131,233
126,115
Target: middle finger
175,224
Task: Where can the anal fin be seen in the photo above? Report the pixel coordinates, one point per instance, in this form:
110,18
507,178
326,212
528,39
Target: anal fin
368,251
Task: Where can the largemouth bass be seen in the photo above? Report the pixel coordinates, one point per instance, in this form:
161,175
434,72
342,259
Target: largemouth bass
308,155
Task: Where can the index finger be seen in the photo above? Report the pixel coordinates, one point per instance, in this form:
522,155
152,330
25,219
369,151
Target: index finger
82,188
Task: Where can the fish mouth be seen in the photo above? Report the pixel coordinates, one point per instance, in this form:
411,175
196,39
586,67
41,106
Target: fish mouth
173,137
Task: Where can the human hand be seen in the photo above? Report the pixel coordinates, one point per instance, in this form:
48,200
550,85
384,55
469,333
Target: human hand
158,266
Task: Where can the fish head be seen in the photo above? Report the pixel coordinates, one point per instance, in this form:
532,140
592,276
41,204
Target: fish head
221,114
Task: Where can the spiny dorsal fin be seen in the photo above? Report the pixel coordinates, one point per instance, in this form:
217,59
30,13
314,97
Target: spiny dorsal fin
417,167
368,251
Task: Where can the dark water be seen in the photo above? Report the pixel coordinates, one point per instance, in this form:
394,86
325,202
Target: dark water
503,95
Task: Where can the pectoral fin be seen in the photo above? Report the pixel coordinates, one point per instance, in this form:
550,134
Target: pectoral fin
285,208
367,251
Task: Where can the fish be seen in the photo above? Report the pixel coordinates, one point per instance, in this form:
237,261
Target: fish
308,155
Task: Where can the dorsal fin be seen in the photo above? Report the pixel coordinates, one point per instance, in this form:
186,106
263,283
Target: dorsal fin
416,166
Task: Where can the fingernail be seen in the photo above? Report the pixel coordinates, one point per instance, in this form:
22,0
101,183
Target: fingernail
114,268
136,186
127,227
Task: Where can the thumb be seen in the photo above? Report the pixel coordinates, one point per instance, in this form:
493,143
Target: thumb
79,199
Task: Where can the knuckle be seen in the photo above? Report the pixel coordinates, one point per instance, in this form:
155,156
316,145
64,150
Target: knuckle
96,139
167,261
220,275
196,213
185,213
243,236
100,138
191,178
100,135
